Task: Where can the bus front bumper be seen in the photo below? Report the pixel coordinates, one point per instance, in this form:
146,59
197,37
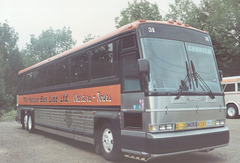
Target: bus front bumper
152,145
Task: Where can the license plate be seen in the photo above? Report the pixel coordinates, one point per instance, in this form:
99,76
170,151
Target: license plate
201,124
191,124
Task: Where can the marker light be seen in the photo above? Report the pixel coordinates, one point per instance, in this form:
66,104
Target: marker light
153,128
220,122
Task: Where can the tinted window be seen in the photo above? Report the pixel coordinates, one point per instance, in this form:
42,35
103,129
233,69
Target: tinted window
229,88
128,42
48,72
79,68
238,86
130,73
22,84
61,72
37,76
29,83
102,61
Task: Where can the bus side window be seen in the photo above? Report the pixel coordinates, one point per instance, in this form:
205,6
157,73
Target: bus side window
128,42
238,87
102,61
48,73
229,88
29,81
130,74
79,68
61,72
21,86
37,76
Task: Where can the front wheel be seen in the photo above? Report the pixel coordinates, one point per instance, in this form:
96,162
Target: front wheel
110,143
232,111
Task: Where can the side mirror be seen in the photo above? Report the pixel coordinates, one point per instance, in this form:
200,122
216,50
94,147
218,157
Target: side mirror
144,66
220,72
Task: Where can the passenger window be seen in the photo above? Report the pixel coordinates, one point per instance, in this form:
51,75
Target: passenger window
128,42
79,68
229,88
130,73
37,75
29,81
102,61
61,72
238,86
48,73
21,85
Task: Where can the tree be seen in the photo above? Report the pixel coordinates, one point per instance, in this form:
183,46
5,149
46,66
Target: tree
10,64
135,11
89,37
49,43
184,11
221,19
223,25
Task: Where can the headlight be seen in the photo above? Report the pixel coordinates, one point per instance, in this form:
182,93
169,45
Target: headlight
161,127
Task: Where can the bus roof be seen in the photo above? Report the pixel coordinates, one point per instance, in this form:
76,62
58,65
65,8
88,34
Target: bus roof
231,79
124,28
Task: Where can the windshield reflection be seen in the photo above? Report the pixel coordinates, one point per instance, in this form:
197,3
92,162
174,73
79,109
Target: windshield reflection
169,65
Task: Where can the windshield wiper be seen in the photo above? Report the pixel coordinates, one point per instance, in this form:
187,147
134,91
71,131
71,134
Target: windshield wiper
183,83
197,77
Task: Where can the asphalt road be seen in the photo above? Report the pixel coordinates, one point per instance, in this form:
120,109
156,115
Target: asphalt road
17,146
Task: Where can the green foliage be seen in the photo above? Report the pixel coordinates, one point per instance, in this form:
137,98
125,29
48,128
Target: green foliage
89,37
138,10
8,116
221,19
10,64
49,43
183,11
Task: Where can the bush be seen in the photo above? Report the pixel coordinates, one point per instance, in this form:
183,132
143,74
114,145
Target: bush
8,116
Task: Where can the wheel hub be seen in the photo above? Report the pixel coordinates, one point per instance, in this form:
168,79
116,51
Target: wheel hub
107,140
231,112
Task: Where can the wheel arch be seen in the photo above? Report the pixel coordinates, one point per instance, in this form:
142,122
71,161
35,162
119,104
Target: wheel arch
104,117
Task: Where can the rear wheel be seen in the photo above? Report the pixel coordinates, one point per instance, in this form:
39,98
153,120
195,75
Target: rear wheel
25,121
110,141
232,111
30,123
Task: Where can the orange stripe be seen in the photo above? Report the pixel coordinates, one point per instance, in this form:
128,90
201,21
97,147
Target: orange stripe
98,96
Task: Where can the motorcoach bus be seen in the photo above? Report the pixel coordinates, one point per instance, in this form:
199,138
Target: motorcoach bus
231,88
148,89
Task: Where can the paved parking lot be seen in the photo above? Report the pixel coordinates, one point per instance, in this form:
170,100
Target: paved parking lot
17,145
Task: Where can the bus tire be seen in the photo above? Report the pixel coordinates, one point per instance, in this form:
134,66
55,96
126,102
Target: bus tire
25,121
232,111
30,123
110,148
22,119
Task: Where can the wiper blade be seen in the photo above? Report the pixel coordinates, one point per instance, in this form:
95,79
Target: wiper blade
194,73
183,83
180,90
198,77
188,75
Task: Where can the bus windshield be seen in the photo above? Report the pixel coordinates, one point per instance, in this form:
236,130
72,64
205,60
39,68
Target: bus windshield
177,64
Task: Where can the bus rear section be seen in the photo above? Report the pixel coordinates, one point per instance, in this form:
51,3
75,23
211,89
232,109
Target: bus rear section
149,89
231,88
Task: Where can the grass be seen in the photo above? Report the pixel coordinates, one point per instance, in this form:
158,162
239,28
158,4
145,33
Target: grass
8,116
